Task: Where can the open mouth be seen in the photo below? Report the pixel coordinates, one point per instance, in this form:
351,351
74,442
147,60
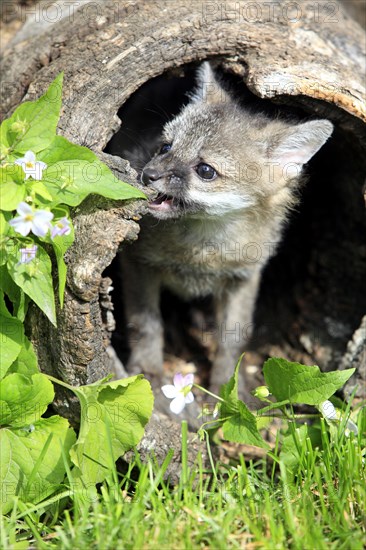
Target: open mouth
164,203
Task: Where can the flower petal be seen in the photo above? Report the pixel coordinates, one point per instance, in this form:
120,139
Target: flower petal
328,411
169,391
178,404
189,398
29,157
21,226
41,222
188,379
178,381
24,209
36,172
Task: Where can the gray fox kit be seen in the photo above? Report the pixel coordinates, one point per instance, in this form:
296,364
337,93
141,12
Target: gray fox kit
225,179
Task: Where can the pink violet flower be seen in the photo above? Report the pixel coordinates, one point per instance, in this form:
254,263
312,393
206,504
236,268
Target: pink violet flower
61,227
180,392
28,254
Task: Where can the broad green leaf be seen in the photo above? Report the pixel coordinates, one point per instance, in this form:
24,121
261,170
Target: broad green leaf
26,396
12,335
241,427
116,412
39,120
229,391
292,447
61,149
70,181
12,192
300,383
4,223
26,363
102,178
5,413
14,293
32,463
60,245
35,279
42,196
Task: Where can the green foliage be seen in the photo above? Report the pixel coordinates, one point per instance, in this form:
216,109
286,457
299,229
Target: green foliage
238,424
290,384
249,504
41,175
302,384
113,419
47,172
34,279
37,452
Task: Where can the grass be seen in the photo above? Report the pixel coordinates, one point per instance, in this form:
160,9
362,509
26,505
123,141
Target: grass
255,504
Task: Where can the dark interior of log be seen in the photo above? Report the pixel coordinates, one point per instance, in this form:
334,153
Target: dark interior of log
312,296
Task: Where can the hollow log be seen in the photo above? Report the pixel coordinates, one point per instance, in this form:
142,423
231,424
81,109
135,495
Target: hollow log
307,56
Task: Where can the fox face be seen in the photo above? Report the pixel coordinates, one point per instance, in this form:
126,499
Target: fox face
217,158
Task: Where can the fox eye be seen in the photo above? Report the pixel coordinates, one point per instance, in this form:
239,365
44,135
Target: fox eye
205,171
165,148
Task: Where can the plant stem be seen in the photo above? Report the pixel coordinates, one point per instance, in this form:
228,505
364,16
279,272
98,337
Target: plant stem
61,383
209,393
184,453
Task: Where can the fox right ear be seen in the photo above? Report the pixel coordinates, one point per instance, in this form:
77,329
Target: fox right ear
208,90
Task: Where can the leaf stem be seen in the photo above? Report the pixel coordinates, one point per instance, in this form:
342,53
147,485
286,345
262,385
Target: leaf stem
61,383
209,393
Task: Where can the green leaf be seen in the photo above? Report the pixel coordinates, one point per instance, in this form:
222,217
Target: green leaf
241,427
26,363
26,397
239,424
70,181
14,293
116,412
62,149
229,391
42,196
32,461
11,191
35,279
292,446
5,413
60,245
300,383
38,118
4,223
11,334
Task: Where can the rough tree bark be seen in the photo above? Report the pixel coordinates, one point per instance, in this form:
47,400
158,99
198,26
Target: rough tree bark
307,55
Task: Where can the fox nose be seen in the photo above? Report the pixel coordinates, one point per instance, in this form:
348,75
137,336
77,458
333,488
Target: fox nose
149,175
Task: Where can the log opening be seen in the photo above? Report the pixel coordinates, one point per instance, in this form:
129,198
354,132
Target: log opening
312,295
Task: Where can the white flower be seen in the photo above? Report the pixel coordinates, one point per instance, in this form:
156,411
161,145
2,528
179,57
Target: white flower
37,221
180,392
31,166
28,254
330,414
328,411
61,227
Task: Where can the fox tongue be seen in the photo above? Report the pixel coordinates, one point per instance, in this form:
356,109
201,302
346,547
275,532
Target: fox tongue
162,202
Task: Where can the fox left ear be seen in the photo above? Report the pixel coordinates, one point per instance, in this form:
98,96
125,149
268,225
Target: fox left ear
298,144
208,89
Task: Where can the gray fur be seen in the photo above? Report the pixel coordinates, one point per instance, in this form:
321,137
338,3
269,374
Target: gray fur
197,242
